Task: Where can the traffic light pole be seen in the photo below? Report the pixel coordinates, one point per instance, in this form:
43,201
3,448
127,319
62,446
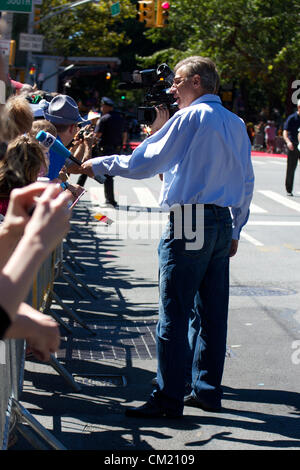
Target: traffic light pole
30,31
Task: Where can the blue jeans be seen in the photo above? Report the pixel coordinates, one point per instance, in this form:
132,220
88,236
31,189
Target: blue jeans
185,277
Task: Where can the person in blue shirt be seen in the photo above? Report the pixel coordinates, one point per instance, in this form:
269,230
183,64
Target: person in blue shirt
290,135
204,154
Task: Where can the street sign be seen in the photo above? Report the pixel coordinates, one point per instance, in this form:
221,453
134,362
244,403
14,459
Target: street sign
115,9
17,6
31,42
5,47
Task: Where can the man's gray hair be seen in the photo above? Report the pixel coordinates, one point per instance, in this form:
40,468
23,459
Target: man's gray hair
203,66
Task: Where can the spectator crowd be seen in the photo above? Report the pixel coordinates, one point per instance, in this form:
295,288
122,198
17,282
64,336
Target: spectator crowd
266,136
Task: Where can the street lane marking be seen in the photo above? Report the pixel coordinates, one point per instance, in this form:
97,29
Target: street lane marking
254,209
278,163
281,199
251,239
145,196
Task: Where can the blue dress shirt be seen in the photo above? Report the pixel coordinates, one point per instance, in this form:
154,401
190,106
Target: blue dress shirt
205,154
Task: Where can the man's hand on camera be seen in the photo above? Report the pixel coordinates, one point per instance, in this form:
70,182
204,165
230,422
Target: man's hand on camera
162,116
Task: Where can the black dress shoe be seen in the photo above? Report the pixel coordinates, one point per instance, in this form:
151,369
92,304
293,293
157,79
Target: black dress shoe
151,410
187,390
190,400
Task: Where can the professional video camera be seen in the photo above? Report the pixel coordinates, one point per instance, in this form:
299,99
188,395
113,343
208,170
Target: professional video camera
156,83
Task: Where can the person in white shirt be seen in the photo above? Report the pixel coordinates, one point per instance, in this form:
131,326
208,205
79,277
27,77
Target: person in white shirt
204,153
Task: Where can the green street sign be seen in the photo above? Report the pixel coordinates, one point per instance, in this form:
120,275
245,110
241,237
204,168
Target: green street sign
17,6
115,9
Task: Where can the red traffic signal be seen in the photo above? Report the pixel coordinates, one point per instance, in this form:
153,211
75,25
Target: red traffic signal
162,14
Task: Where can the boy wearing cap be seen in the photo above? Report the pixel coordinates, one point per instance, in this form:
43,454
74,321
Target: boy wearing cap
63,112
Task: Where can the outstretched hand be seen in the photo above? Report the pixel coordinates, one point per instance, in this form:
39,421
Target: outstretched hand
85,168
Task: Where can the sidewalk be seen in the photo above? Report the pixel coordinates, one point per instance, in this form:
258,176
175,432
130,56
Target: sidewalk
111,356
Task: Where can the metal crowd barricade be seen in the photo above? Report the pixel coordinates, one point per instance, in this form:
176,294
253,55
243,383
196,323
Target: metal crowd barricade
12,360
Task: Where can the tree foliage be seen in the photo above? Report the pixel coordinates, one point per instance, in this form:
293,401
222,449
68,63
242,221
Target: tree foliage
253,42
87,30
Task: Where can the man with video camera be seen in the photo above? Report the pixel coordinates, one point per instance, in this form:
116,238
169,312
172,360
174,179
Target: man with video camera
204,153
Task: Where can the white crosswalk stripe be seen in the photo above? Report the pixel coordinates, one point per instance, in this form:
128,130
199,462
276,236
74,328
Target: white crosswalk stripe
281,199
251,239
145,197
275,162
268,161
254,209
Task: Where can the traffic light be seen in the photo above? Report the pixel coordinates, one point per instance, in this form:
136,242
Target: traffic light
108,76
146,13
32,74
162,14
12,53
36,17
32,70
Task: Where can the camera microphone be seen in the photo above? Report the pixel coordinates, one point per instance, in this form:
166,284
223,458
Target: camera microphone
49,141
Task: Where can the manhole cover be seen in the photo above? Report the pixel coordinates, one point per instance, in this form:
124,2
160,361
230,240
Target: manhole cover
101,380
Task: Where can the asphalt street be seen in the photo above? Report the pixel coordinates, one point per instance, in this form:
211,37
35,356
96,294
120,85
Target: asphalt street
112,354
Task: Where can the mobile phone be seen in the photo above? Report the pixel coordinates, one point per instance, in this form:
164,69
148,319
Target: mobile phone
77,199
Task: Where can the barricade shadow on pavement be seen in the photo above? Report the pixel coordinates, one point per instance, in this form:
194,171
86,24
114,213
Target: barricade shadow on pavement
124,346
